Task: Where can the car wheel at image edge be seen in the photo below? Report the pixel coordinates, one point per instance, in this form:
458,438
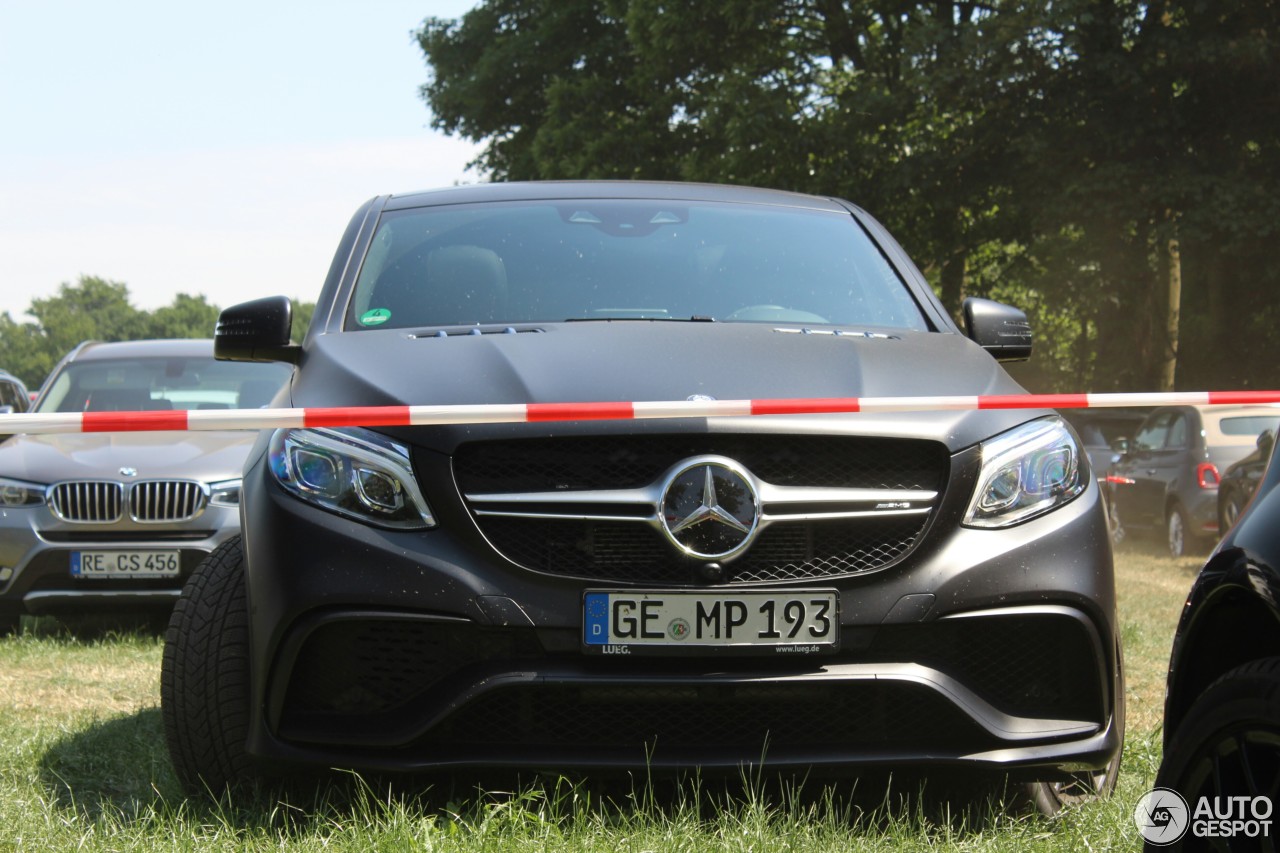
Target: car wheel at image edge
1231,506
1179,539
1229,743
204,681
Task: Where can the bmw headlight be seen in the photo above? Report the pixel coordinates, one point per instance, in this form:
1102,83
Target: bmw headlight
20,493
353,472
1026,472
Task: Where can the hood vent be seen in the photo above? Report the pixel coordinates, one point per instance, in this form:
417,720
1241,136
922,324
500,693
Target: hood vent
839,333
472,331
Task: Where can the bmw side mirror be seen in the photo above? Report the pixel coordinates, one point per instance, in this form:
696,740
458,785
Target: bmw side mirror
1000,329
256,331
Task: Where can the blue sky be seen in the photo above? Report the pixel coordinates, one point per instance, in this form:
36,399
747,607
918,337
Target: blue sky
214,149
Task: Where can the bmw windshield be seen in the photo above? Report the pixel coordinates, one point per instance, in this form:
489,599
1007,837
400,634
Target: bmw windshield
595,259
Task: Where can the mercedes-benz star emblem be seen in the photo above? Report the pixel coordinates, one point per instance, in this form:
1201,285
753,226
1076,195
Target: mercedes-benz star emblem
709,508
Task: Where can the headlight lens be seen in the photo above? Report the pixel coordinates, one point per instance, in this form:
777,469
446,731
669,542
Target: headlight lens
353,472
19,493
1026,472
226,493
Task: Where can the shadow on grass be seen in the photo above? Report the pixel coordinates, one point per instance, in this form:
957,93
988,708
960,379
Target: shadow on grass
119,770
118,767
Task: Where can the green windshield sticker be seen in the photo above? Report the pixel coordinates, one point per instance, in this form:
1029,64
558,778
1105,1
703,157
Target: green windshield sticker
375,317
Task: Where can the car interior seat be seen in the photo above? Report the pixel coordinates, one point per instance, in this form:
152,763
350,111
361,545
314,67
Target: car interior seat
256,393
450,286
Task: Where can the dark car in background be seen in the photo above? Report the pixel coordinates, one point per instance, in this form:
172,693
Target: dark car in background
824,592
101,523
1101,430
1222,701
1240,480
1165,482
14,397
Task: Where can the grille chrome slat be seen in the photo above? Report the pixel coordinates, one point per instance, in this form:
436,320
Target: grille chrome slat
155,501
87,501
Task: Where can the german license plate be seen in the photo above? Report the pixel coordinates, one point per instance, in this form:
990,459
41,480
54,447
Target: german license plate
125,564
671,621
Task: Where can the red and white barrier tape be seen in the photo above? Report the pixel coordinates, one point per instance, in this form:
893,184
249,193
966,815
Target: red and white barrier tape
255,419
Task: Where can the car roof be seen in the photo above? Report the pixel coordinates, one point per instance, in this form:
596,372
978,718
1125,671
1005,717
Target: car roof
552,190
1213,416
167,348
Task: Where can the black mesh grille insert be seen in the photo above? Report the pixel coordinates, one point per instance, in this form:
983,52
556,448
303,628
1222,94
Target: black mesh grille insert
1035,665
627,551
354,680
365,667
622,462
649,719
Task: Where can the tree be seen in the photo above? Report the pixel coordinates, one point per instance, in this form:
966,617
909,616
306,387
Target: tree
1072,146
95,309
188,317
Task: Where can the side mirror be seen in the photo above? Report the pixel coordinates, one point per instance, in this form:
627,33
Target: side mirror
1000,329
256,331
1120,446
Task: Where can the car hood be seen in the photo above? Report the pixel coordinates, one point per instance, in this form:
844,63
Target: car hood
205,456
651,361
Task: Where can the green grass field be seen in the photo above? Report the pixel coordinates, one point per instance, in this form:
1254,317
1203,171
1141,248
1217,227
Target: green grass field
83,767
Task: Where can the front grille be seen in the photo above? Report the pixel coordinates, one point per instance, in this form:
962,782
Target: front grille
621,462
91,501
629,550
166,500
621,551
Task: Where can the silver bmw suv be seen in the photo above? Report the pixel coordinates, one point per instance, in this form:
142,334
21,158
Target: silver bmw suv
116,521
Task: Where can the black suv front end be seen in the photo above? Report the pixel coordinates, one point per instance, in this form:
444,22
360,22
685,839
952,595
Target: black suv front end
825,591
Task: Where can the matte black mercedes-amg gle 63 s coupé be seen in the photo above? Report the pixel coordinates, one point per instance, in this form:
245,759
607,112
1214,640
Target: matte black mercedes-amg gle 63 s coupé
829,592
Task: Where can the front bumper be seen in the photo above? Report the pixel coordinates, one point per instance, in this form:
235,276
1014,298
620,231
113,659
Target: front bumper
36,549
413,651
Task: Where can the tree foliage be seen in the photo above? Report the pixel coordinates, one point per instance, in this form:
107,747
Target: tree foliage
1046,153
96,309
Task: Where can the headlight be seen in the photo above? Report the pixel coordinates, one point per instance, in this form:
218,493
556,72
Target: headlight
18,493
226,493
1026,472
353,472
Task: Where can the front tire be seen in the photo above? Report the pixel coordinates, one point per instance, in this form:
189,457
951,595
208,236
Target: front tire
204,682
1228,745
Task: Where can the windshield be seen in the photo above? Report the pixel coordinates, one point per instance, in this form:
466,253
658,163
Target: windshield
549,262
149,384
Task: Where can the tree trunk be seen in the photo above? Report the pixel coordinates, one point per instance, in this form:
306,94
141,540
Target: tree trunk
1168,373
952,282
